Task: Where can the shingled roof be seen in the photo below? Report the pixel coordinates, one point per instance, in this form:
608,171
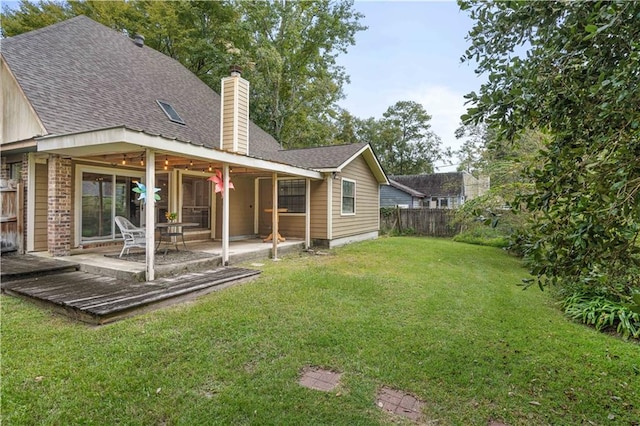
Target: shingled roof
436,184
80,76
406,189
324,157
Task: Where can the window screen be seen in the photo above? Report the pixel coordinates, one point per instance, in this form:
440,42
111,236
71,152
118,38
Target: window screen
291,195
348,196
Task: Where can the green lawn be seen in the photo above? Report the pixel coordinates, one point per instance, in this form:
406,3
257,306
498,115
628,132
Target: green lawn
444,321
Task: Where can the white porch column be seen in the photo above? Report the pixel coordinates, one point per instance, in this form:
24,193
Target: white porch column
150,209
225,214
274,216
307,217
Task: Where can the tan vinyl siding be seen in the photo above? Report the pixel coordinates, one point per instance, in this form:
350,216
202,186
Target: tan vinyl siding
265,202
41,194
17,119
367,216
291,226
240,207
243,116
227,114
235,112
319,209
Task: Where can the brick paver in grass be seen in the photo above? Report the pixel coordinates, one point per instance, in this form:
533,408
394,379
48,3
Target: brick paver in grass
319,379
398,402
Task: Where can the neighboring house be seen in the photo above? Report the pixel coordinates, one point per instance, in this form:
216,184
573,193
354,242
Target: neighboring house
397,194
88,112
445,190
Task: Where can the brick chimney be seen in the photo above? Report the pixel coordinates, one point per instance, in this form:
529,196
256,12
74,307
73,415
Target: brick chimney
234,113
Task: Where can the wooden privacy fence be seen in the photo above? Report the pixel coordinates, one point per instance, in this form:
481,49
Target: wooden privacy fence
427,222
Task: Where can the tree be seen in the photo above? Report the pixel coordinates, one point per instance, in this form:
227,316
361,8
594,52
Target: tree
287,49
405,142
472,153
346,128
504,163
291,54
402,138
200,35
30,16
577,83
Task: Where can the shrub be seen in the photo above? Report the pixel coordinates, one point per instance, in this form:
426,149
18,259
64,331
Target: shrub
603,314
484,236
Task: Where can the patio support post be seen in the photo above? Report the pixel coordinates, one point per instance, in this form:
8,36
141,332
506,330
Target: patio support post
149,212
307,217
59,205
225,214
274,216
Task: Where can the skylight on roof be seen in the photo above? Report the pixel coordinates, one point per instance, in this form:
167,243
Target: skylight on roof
170,112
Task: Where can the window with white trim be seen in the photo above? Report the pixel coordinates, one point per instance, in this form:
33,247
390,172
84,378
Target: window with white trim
348,196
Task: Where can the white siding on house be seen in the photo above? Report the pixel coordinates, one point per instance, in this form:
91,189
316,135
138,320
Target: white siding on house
17,119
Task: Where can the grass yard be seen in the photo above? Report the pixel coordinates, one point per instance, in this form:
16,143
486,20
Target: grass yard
441,320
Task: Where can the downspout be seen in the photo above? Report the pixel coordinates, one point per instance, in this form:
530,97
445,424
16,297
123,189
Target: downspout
274,216
329,179
307,217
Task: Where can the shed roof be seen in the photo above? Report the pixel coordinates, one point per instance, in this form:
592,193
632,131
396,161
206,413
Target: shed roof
406,189
435,184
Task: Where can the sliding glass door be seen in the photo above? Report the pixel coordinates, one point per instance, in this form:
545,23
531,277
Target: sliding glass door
104,196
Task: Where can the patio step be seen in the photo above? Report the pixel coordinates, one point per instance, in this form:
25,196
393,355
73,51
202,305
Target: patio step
136,271
20,266
112,266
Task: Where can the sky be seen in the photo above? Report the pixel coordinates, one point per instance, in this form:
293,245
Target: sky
411,52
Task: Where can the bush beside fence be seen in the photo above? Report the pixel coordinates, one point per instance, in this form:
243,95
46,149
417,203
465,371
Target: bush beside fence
425,222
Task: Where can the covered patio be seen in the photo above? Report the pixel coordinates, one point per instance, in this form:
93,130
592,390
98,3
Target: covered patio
226,197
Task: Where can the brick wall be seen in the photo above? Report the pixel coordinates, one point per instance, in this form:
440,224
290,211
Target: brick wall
59,209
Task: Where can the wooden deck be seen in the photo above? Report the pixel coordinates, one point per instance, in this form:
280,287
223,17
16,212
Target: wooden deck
98,299
17,266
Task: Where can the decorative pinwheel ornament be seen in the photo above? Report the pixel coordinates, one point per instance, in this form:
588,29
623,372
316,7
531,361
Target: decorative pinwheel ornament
219,182
141,190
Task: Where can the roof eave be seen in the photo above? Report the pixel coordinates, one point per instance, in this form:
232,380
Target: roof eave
89,142
371,159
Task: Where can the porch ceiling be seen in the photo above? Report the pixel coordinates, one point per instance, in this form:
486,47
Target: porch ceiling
168,162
